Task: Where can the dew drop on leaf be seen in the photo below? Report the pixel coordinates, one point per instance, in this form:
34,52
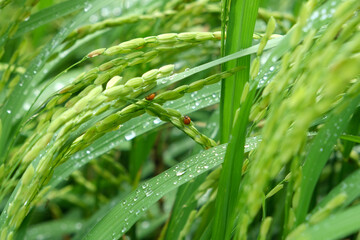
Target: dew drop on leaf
130,135
157,121
87,7
179,173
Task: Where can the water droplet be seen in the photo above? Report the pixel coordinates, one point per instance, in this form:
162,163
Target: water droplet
94,18
130,135
87,7
181,172
157,121
116,11
315,15
8,111
88,152
26,106
105,12
146,124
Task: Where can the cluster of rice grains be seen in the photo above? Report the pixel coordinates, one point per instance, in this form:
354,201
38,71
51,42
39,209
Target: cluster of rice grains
186,11
102,94
314,76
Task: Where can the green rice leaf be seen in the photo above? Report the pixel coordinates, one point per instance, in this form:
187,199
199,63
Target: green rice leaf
95,218
320,151
126,213
140,150
349,186
242,19
239,36
185,201
172,79
54,229
352,129
49,14
352,138
337,226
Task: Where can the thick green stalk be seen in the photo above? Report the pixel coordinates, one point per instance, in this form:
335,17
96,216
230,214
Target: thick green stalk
242,19
230,178
239,33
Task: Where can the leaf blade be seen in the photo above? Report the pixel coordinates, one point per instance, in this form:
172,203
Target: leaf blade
126,213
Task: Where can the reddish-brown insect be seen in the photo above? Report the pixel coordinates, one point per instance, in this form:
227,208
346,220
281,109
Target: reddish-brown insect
187,120
150,97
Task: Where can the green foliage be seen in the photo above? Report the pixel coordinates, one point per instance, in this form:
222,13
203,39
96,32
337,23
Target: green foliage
179,119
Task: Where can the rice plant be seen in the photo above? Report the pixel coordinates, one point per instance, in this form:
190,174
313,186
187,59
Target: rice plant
194,119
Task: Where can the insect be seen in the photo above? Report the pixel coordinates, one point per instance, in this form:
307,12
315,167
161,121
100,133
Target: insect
187,120
150,97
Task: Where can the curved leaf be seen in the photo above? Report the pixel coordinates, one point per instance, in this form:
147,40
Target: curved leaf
336,226
320,151
126,213
350,186
49,14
